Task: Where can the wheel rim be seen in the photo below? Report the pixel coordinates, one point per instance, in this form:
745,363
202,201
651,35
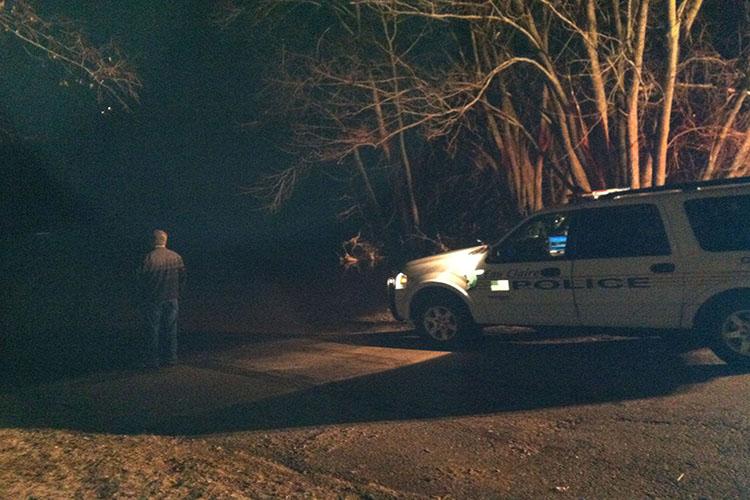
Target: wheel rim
735,332
440,323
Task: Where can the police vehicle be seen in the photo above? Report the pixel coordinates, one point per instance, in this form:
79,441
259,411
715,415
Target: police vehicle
674,257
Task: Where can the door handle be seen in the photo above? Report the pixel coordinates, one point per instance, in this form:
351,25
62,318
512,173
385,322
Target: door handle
663,267
550,272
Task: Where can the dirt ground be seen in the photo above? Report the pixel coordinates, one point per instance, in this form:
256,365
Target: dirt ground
363,409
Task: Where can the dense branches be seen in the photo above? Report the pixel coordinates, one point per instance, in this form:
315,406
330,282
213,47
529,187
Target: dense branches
538,99
103,69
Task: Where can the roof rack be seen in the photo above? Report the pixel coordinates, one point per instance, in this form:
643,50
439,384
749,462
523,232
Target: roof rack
601,193
608,194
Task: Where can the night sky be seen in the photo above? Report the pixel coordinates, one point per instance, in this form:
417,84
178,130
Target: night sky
178,161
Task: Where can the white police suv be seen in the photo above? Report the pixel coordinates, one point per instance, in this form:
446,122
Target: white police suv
674,257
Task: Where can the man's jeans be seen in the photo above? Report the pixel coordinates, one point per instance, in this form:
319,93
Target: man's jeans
161,330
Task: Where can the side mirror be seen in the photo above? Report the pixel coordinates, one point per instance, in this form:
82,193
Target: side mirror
493,255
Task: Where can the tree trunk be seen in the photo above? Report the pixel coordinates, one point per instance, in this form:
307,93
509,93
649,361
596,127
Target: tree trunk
382,130
372,199
592,43
576,168
405,160
561,103
621,176
673,53
545,142
690,16
635,87
513,154
721,139
739,164
647,172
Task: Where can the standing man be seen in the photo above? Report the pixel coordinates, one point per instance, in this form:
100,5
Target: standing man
161,276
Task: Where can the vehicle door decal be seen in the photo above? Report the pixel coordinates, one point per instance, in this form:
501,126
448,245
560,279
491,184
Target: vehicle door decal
610,283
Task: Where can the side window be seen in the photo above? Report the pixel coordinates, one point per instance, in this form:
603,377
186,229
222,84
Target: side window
544,237
627,231
720,224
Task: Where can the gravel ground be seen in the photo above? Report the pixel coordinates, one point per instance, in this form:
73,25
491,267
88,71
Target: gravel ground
372,413
65,464
307,393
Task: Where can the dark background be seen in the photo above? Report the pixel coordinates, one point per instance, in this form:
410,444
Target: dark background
82,188
180,160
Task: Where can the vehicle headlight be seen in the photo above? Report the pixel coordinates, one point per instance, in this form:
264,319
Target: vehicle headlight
401,281
472,278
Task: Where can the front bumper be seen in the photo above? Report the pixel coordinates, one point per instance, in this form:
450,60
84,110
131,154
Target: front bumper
392,299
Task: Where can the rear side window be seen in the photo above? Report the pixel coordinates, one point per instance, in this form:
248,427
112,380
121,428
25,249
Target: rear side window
720,224
613,232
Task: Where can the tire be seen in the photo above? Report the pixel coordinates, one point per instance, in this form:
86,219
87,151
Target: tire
445,322
729,332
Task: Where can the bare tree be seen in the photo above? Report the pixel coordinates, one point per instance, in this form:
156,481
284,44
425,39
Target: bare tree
544,98
352,104
103,69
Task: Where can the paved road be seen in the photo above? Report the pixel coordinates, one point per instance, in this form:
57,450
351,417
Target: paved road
515,415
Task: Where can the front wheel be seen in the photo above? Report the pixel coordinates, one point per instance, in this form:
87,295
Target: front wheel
445,322
730,333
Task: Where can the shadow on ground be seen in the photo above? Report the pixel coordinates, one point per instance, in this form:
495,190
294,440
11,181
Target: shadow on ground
59,355
502,373
495,375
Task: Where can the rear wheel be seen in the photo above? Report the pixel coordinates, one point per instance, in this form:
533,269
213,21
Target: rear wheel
445,322
730,332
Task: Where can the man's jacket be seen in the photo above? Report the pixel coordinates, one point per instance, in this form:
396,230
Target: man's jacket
161,275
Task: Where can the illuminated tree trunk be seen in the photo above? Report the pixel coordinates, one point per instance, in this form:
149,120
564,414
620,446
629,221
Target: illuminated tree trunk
544,142
633,94
556,90
692,13
673,52
592,47
566,123
622,176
